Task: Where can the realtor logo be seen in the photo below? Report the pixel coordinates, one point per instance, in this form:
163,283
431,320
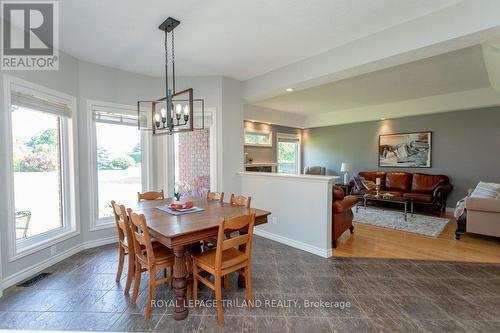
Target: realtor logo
30,35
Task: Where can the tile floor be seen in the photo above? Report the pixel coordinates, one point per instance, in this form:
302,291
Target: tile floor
383,296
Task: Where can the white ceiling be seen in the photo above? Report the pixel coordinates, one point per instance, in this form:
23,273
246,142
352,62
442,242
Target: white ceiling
447,73
234,38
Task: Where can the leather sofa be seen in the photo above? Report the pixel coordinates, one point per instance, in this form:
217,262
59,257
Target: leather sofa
426,190
342,214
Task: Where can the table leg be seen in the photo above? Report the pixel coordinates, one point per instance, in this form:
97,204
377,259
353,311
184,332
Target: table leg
364,202
406,211
411,207
180,284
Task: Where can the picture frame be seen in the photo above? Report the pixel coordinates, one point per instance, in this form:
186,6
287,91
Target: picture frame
405,150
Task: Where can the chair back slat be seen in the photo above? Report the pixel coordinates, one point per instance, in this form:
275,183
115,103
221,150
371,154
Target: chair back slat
240,200
236,223
215,196
142,240
150,195
235,241
122,223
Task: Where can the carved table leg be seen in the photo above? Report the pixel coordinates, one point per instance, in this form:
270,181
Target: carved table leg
180,284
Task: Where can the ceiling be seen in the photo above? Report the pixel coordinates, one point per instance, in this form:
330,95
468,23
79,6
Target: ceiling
447,73
234,38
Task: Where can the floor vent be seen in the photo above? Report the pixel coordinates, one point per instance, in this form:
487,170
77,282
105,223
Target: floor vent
33,280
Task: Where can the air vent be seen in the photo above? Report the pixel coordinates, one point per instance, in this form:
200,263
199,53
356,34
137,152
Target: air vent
33,280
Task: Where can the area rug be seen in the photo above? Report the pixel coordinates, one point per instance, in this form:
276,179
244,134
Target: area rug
418,224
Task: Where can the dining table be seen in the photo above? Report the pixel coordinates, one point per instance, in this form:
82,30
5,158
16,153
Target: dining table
180,232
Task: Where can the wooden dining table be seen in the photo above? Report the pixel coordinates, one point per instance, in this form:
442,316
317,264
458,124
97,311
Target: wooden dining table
179,232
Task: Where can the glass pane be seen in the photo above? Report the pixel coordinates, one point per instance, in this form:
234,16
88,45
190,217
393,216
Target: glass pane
192,162
119,160
287,157
37,172
257,138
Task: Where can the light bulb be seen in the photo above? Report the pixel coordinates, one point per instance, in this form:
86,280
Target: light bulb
163,113
178,108
186,110
157,117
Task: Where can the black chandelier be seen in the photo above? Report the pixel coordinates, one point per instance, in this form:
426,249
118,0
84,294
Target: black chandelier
177,111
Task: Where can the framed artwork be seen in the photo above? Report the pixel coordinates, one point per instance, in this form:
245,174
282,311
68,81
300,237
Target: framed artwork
405,150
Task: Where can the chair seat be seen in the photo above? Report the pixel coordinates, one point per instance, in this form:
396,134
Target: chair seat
230,257
162,254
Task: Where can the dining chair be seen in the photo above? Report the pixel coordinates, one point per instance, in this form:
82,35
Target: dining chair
240,200
125,244
226,259
215,196
148,258
150,195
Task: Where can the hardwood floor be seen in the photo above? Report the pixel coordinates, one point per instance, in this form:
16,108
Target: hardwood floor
374,242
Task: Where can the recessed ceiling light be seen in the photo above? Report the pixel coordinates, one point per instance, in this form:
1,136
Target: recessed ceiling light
289,89
382,118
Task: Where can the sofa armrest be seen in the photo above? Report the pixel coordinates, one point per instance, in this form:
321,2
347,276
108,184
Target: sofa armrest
341,206
442,191
483,204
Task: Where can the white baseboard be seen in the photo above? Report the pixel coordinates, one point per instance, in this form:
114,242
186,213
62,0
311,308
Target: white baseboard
30,271
294,243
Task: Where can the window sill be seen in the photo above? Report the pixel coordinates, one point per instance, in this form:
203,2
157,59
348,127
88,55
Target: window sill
102,224
38,243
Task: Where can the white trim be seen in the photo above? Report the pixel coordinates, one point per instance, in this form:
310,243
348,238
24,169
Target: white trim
32,270
299,149
146,168
285,176
293,243
69,152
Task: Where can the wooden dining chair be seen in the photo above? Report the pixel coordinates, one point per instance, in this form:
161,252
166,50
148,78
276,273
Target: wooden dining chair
226,259
125,244
150,195
240,200
148,258
215,196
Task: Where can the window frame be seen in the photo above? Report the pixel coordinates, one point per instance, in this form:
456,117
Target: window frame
97,223
69,171
289,136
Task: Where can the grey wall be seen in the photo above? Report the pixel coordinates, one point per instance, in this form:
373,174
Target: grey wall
266,154
465,146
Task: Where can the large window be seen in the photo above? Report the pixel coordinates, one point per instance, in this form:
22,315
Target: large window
288,153
41,186
119,160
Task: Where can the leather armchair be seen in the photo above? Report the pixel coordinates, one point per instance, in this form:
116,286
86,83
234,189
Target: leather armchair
342,214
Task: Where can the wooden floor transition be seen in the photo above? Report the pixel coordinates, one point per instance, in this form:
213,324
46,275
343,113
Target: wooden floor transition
375,242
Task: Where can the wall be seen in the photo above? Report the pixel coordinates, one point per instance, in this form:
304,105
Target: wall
266,115
465,146
266,154
87,81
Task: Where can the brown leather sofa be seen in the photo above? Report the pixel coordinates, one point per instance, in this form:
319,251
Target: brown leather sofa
342,213
426,190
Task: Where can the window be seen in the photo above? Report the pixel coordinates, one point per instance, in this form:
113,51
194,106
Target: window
288,153
118,152
42,189
258,139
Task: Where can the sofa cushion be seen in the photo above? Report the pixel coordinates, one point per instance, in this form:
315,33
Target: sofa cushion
373,175
486,190
394,193
398,181
421,197
424,183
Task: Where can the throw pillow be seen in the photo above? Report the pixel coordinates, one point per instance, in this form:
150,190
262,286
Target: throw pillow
369,185
358,182
486,190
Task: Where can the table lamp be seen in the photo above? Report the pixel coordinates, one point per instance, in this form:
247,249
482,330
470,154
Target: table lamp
346,167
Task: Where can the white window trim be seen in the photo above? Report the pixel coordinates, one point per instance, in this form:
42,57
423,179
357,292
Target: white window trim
299,152
146,172
34,244
254,144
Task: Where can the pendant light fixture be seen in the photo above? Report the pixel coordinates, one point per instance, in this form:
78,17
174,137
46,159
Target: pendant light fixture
177,111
